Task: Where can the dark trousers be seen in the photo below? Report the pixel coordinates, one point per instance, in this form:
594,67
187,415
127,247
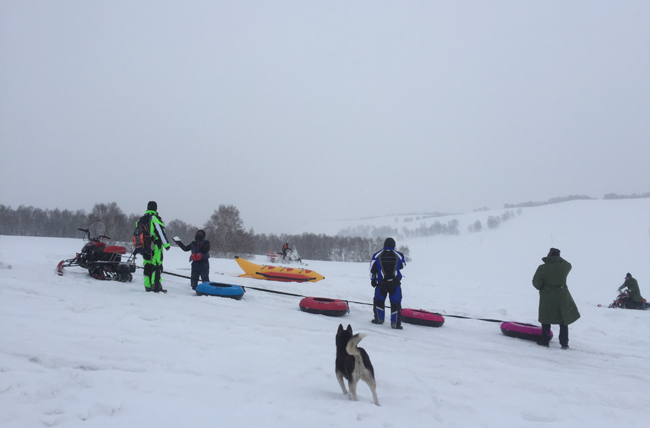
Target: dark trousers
153,269
564,334
200,269
379,302
631,304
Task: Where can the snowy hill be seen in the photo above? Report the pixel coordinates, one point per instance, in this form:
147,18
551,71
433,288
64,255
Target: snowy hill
79,352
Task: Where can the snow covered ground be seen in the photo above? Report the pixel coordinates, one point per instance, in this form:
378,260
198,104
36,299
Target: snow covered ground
79,352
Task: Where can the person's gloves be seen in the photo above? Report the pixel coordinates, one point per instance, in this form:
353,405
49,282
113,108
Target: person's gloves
373,283
196,257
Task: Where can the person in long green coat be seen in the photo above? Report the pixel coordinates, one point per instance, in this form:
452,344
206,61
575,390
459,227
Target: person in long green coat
635,294
556,306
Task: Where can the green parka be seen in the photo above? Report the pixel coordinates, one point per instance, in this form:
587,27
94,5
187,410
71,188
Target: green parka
633,286
556,306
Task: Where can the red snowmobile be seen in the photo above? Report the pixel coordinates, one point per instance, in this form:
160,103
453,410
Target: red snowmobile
624,300
103,262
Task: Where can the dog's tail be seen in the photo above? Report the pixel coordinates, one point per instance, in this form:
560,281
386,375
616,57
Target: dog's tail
351,347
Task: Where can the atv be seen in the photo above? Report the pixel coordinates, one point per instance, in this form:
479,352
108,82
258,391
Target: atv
103,262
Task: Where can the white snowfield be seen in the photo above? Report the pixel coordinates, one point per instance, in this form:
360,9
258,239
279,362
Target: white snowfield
77,352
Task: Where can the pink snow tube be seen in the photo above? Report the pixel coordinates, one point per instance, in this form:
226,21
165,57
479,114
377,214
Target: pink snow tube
420,317
522,331
324,306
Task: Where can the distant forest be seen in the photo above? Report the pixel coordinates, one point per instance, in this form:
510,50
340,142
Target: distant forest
632,196
437,228
550,201
224,229
575,198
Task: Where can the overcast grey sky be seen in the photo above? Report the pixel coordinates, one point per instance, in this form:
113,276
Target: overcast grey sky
300,111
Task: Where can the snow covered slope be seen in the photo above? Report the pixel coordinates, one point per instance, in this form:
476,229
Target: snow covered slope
77,352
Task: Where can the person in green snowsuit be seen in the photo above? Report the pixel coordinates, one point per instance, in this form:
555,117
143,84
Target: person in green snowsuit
556,306
635,294
153,262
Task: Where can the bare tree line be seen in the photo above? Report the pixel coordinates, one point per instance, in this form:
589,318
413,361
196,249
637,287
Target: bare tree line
224,229
324,247
228,237
422,231
30,221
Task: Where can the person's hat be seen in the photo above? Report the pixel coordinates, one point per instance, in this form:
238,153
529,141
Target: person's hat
200,234
628,275
553,252
389,242
152,206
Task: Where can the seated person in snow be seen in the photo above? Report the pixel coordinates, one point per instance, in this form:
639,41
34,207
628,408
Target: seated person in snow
200,249
285,248
636,300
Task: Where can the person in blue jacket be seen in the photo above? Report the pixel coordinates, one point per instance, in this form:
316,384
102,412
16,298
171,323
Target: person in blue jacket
386,278
200,256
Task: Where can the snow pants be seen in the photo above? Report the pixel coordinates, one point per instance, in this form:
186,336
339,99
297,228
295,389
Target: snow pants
153,270
631,304
379,302
200,269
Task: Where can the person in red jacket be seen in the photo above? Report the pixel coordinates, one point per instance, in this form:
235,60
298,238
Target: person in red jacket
200,256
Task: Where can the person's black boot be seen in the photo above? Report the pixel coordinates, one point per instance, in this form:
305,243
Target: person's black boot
564,336
545,338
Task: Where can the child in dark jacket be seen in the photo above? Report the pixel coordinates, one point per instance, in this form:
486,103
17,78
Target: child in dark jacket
200,249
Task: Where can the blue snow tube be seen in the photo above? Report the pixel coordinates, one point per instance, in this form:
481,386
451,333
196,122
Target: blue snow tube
231,291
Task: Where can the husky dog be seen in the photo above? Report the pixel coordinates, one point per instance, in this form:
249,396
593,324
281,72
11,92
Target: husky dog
353,363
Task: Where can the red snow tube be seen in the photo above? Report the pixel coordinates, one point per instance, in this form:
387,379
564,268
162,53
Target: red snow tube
420,317
522,331
324,306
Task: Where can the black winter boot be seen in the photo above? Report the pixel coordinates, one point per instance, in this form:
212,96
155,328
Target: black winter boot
545,338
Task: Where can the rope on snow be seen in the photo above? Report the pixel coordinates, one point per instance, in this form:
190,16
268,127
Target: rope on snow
268,290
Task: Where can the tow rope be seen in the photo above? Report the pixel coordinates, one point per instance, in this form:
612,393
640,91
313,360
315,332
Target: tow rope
268,290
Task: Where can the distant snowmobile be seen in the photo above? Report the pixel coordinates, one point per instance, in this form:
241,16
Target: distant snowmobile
291,255
103,262
624,301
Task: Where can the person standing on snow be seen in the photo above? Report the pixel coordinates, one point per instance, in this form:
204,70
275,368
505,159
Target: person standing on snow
153,260
200,249
386,277
632,285
556,306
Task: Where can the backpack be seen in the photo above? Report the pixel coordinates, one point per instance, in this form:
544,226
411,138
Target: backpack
142,236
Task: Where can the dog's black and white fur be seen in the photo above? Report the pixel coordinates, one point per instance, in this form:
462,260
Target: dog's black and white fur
353,363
